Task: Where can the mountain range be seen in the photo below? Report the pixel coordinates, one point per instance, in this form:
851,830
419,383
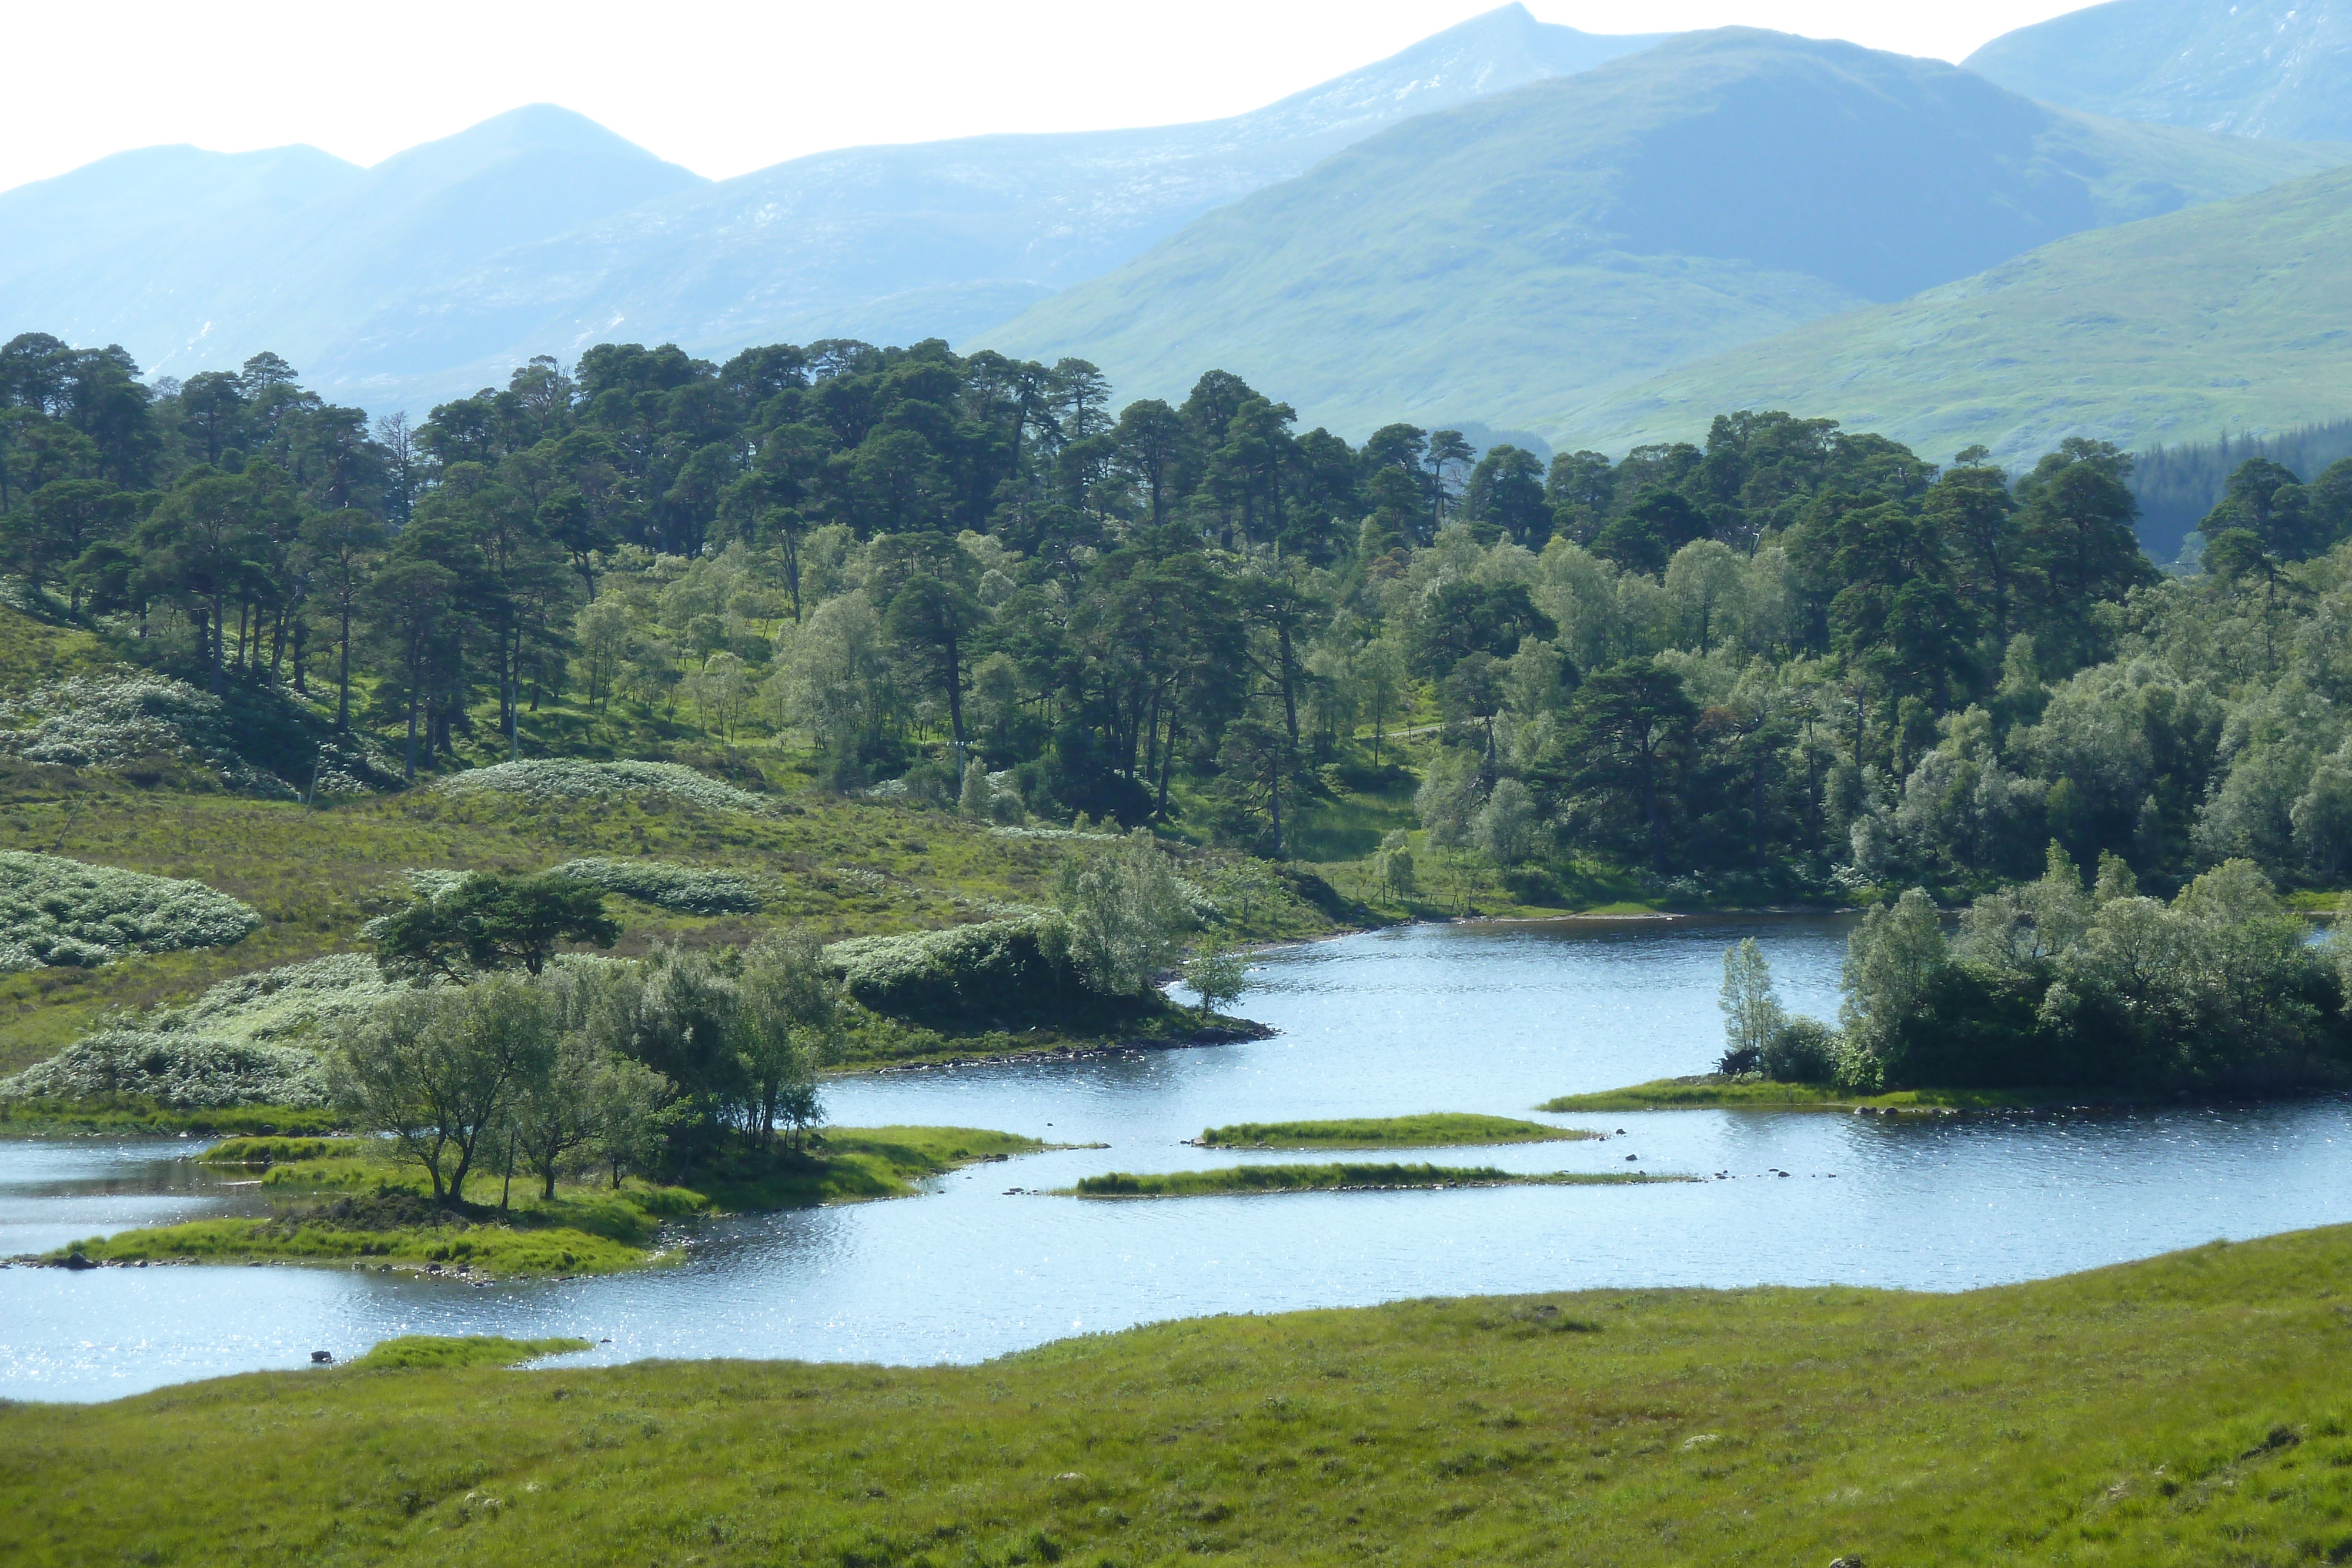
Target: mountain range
539,232
1506,259
2116,223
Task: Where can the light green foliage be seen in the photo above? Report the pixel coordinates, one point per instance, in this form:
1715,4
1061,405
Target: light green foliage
59,912
689,890
1752,1014
1435,1130
1890,960
1216,973
1395,868
1126,913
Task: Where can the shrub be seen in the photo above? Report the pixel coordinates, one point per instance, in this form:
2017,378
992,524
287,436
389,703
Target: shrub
183,1070
667,885
127,721
63,913
556,780
994,969
1801,1051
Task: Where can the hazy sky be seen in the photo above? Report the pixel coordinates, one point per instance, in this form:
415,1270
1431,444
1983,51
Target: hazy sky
724,87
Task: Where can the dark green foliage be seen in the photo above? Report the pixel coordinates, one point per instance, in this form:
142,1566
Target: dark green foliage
488,921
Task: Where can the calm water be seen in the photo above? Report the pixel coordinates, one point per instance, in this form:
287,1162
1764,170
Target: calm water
1485,1017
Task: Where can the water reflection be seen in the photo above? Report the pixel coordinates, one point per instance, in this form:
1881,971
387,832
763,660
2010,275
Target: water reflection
1467,1017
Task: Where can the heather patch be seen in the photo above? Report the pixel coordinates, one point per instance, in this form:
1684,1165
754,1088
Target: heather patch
63,913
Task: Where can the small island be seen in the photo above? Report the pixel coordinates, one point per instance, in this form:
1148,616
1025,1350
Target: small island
1436,1129
1235,1180
350,1201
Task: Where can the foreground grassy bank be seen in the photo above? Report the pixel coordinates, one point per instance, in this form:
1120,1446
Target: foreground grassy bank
1442,1129
343,1201
1342,1178
1716,1092
2188,1409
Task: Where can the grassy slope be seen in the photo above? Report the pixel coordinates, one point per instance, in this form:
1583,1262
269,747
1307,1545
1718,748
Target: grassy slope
1439,1129
1241,1180
2189,1409
344,1200
1712,1091
2225,316
1497,261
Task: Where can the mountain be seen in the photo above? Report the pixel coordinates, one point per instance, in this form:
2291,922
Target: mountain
2228,317
2258,68
935,239
193,260
1507,258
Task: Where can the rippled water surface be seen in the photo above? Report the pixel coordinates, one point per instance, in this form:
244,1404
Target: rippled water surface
1472,1018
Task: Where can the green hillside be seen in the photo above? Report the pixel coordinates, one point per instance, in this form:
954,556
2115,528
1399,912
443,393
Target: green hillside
1496,261
2184,1410
2224,317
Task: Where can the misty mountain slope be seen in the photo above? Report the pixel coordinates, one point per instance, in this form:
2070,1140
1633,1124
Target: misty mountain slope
193,260
2225,316
934,239
2259,68
1502,259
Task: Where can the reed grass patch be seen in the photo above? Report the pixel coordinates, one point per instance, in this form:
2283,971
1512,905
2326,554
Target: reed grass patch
1432,1130
1341,1177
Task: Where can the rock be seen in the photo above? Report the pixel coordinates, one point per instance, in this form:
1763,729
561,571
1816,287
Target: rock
1633,1157
76,1262
1845,1562
322,1358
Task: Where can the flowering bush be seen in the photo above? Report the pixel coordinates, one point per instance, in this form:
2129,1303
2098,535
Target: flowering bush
123,718
188,1071
289,1002
238,1044
555,779
667,885
62,913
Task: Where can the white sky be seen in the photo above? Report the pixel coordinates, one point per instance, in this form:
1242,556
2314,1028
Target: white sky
725,86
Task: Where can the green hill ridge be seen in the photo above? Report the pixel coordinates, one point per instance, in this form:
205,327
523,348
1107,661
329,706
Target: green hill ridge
2224,317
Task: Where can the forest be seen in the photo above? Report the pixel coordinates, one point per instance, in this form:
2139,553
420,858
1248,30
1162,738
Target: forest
1794,661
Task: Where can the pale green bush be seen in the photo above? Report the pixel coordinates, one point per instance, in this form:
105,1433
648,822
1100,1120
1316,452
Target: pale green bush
557,780
63,913
188,1071
116,718
667,885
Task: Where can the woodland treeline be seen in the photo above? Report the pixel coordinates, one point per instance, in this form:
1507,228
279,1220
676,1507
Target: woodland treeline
1788,657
